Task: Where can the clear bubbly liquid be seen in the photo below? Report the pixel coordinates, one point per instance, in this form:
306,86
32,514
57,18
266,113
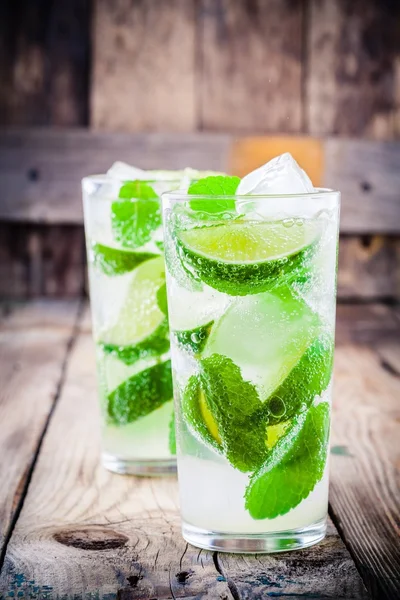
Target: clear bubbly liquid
119,307
212,489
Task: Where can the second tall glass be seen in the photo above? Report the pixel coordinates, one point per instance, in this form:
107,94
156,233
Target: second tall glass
130,324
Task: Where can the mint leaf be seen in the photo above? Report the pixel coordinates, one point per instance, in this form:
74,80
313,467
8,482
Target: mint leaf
141,394
115,261
218,185
136,214
172,435
137,189
309,378
235,407
293,468
155,344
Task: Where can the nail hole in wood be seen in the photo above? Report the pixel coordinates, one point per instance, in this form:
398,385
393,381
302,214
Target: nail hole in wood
366,241
365,186
33,174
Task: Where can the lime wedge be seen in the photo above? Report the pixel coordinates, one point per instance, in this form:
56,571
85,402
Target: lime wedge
141,328
266,336
194,340
198,416
248,257
279,345
116,261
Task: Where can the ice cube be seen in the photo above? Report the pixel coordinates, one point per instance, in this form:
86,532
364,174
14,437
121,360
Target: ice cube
281,175
124,172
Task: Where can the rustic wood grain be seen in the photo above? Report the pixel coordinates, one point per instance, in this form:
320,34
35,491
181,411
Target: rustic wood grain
369,267
143,69
86,533
250,71
368,177
44,54
104,536
321,572
41,170
34,342
38,260
353,54
365,491
365,324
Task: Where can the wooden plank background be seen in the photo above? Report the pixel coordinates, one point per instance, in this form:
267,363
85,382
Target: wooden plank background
215,73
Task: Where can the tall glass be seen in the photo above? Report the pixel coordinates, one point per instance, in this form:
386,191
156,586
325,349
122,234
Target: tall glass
251,296
130,325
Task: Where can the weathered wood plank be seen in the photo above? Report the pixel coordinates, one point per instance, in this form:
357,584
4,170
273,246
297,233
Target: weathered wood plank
143,74
250,66
130,525
34,340
44,56
365,495
86,533
365,324
321,572
368,176
40,260
369,267
352,68
40,171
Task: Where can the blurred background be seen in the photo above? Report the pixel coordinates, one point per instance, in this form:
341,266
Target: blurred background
218,84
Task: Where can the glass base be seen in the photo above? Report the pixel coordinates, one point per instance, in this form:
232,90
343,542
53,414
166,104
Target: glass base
145,468
255,543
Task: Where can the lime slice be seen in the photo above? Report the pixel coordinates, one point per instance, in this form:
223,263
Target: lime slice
198,416
308,379
277,341
194,340
116,261
248,257
141,328
275,432
266,336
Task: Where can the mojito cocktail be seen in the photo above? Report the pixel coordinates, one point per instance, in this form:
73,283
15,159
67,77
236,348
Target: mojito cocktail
251,281
129,311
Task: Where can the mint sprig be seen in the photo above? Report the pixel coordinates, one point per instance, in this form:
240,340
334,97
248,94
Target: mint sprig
141,394
235,406
217,185
293,468
136,214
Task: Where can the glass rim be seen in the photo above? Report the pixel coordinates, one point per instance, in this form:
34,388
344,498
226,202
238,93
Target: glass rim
181,195
104,178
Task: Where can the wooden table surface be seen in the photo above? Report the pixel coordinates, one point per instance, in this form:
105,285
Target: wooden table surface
71,530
